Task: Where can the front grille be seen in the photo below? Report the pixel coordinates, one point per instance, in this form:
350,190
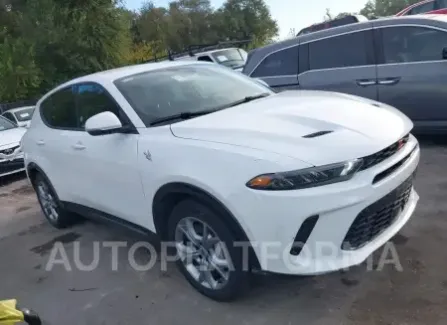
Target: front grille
10,166
377,217
9,150
378,157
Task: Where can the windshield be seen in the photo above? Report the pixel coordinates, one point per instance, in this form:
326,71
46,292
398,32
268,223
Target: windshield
6,124
24,115
233,58
192,88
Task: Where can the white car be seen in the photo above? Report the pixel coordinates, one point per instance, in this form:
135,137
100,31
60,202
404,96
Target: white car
212,160
11,155
20,115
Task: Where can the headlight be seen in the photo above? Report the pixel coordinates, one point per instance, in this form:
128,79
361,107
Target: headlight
305,178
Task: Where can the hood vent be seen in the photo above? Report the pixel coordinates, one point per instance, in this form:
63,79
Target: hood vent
316,134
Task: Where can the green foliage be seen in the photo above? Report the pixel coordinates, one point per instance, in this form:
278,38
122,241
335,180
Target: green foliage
46,42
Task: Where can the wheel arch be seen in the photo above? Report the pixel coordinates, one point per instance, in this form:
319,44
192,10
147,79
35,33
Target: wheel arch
32,169
170,194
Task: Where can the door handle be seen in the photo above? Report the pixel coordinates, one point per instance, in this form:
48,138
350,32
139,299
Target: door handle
78,146
40,142
389,81
366,82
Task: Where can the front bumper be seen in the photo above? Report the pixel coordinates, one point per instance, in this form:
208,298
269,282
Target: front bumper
12,165
273,219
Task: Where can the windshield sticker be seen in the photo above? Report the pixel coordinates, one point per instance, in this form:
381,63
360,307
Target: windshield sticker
222,58
24,115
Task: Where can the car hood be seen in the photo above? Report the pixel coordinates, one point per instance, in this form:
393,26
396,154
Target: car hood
11,136
278,123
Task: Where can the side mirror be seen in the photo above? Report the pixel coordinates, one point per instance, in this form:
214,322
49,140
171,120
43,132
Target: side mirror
103,123
444,53
261,82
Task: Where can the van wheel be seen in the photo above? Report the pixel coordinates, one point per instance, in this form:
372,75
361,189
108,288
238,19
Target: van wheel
50,204
206,253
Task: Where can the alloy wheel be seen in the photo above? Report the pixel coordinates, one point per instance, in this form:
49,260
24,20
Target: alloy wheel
48,201
204,256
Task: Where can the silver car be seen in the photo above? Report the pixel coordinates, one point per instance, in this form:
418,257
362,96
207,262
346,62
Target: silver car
11,155
401,61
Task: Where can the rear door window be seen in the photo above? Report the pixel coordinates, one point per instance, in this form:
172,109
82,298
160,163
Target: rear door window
281,63
59,110
349,50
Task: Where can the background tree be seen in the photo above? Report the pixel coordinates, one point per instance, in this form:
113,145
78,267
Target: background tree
46,42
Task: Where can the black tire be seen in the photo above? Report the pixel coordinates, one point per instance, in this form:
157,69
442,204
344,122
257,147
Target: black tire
238,280
64,218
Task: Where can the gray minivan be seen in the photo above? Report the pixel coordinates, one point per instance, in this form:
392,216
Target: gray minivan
401,61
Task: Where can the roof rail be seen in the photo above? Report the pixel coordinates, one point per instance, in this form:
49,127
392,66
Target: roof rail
192,50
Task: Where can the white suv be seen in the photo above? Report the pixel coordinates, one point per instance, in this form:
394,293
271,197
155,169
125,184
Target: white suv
210,160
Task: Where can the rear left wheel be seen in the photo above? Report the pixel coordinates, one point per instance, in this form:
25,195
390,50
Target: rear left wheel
50,204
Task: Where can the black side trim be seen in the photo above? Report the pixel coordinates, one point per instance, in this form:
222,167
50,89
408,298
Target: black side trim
101,216
303,235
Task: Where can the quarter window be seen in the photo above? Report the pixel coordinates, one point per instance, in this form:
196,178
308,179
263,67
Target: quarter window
412,44
281,63
93,99
348,50
59,110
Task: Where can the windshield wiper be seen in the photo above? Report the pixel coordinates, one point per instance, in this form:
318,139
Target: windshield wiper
247,99
180,116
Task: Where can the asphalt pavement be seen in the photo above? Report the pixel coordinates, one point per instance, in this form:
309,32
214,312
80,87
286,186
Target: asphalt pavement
118,294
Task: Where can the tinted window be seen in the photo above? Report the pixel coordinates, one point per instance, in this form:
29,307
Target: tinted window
59,110
281,63
348,50
93,99
422,8
412,44
191,88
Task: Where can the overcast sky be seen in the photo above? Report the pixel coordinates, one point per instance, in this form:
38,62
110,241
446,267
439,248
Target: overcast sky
289,13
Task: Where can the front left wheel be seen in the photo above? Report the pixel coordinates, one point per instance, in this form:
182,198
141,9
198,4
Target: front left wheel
206,253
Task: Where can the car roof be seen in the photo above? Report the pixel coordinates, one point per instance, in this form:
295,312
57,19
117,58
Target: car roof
13,110
257,55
